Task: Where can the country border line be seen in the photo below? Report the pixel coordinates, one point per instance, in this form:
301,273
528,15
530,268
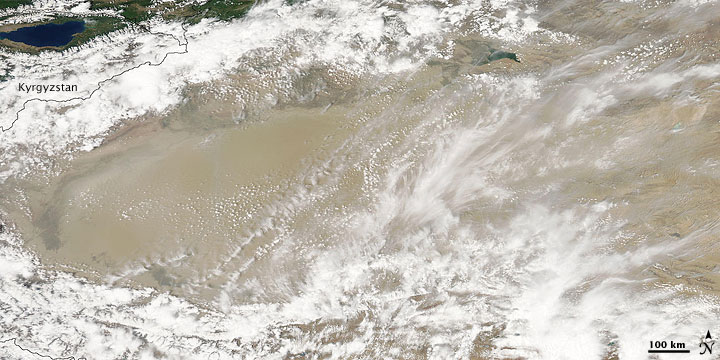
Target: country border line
183,43
14,342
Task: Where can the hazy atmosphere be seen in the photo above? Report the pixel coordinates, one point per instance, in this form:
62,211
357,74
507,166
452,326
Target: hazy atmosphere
359,179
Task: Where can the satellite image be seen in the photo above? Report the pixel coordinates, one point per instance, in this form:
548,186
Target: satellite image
359,179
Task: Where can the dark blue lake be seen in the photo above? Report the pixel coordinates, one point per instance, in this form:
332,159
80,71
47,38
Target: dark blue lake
46,34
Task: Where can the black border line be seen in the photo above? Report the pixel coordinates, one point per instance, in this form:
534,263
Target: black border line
14,341
183,43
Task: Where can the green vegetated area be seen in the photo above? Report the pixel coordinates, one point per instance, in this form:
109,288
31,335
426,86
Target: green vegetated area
139,10
5,73
221,9
94,27
133,12
10,4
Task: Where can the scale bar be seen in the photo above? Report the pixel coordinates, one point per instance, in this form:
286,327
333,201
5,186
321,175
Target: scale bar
686,351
